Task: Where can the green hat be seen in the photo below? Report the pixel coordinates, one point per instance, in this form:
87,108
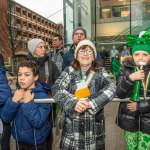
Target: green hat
140,43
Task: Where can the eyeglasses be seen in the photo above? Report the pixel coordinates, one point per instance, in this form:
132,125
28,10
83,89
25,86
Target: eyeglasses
88,51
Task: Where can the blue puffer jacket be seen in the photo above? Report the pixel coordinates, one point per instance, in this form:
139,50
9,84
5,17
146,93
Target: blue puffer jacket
30,120
5,90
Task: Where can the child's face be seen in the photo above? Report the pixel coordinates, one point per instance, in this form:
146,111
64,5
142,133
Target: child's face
141,56
26,79
117,56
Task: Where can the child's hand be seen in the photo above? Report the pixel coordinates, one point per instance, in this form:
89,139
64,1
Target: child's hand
132,106
28,96
18,95
139,75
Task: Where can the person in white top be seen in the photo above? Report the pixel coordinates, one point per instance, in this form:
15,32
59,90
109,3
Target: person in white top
113,53
126,51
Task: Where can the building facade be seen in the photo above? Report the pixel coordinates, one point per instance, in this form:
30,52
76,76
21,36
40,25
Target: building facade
24,24
107,21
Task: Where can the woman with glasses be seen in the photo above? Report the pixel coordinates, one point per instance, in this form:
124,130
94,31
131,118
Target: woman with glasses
82,91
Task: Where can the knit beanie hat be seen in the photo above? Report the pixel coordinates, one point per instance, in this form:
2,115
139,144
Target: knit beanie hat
85,42
33,43
140,43
79,28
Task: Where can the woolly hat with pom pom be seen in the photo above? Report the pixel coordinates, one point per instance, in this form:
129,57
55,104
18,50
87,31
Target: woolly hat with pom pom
85,42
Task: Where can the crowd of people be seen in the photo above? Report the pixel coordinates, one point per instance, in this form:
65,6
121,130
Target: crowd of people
80,85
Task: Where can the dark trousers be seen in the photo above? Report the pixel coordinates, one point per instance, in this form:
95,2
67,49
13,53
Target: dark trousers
26,146
111,64
50,141
5,137
46,145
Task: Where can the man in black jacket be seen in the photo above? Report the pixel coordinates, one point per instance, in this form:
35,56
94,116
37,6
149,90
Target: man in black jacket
78,35
57,51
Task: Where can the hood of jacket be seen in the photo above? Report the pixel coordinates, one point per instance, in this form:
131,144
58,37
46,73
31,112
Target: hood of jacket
42,87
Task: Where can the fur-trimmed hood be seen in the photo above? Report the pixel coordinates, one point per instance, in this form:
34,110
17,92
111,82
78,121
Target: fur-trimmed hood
126,58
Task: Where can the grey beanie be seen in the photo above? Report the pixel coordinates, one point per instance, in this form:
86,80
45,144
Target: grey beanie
33,43
79,28
85,42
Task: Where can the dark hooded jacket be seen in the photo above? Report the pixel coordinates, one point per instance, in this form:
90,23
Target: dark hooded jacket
138,120
5,90
52,68
30,120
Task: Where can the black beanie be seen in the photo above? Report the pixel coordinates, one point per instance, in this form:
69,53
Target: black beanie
79,28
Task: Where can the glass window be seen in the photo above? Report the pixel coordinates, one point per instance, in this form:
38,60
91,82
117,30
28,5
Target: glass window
17,9
136,9
25,45
106,13
116,11
19,44
125,11
147,8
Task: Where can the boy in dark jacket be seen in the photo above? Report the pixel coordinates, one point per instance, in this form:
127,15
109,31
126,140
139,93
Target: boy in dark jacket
5,93
134,82
31,125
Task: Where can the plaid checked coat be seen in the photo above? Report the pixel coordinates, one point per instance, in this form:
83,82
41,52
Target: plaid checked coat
83,131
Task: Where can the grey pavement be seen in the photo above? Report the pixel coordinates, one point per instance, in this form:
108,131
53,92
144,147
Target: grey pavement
114,135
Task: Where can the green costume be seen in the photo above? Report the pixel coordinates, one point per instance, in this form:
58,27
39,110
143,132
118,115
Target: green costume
116,66
138,140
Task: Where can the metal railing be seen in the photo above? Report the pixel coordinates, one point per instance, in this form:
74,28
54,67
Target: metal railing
116,99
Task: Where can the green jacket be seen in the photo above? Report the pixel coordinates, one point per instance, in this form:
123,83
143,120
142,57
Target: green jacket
116,66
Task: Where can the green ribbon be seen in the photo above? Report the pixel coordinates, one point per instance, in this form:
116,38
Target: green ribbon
132,39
